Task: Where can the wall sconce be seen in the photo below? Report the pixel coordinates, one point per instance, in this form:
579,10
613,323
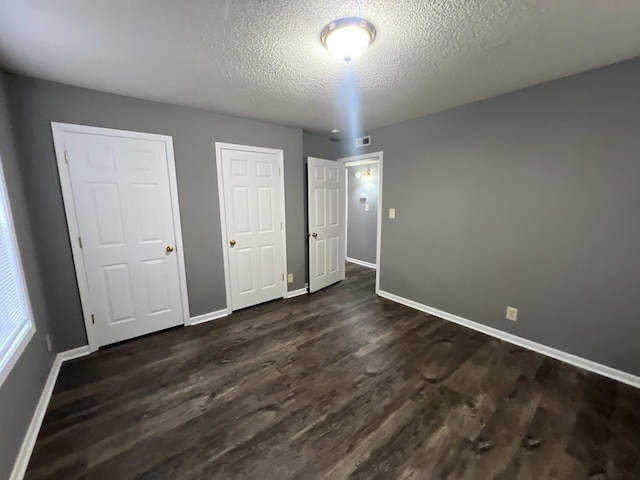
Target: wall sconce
364,175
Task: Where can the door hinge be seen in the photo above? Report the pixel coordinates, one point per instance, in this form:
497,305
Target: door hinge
280,225
66,157
93,319
80,241
279,171
283,276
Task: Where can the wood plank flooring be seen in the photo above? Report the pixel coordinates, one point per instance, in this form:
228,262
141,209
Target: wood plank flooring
337,384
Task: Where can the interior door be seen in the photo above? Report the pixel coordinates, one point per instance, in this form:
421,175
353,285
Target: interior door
326,191
254,217
125,217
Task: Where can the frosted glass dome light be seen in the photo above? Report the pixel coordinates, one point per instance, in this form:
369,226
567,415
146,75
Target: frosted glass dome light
348,38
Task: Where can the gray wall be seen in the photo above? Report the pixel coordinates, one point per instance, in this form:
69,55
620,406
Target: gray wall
362,225
36,103
530,199
20,392
320,147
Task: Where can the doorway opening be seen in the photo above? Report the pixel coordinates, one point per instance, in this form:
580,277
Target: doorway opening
363,210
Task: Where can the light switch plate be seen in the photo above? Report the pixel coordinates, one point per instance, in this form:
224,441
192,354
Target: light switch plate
392,213
512,314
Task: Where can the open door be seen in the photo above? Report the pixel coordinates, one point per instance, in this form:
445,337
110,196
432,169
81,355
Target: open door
326,182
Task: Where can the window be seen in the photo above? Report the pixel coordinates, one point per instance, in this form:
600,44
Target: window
16,319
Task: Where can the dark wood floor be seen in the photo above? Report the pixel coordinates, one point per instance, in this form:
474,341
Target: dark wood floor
337,384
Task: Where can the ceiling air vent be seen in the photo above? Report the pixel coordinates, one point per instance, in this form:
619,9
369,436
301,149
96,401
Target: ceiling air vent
363,141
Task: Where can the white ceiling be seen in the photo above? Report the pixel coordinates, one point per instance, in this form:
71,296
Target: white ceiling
263,58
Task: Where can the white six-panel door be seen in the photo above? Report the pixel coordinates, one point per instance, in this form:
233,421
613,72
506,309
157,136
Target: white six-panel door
253,223
326,192
120,201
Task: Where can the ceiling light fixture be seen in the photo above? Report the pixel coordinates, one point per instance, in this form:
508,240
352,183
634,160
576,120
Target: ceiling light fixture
348,38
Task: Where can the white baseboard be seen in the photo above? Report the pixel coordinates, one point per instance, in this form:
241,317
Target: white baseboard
29,441
361,262
74,353
580,362
297,293
207,317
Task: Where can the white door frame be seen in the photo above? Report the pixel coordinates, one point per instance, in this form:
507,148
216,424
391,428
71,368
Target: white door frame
375,157
223,216
58,130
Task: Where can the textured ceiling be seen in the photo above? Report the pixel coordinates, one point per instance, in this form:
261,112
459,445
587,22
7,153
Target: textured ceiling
263,58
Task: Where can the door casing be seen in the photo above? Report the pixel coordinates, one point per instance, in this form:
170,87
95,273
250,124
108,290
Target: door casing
58,130
223,216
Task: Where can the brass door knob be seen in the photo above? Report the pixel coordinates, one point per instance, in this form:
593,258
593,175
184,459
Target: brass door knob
314,235
232,243
169,248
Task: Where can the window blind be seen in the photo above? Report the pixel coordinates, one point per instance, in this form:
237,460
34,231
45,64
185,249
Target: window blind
15,314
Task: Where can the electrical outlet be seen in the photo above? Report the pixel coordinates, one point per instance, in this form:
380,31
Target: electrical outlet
512,314
366,207
392,213
290,278
47,343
